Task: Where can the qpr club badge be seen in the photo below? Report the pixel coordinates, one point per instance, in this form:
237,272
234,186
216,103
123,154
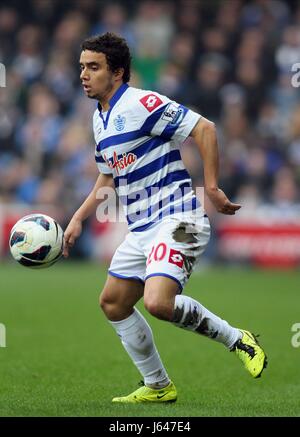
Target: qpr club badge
119,122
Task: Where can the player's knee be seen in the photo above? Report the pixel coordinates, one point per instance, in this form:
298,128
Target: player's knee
108,305
102,301
160,309
114,309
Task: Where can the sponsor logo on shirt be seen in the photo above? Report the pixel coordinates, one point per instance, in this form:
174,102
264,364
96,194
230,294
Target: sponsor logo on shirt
151,102
118,164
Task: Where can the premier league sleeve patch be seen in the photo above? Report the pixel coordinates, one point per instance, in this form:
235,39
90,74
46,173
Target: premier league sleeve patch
173,114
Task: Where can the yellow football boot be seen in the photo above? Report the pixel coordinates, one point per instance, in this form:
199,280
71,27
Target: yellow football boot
250,353
147,394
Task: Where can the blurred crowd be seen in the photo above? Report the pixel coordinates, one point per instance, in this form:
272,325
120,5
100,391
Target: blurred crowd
229,60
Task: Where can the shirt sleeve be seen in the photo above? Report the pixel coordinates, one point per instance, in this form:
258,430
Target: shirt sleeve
176,122
167,119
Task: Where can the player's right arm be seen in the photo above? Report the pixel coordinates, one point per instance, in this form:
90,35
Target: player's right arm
88,207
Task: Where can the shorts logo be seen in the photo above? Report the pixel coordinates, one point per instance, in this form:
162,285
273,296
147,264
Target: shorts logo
119,122
151,102
176,258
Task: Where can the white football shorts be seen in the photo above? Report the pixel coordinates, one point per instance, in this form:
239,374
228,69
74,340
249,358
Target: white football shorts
170,248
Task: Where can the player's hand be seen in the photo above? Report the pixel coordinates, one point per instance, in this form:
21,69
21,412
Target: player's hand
71,234
221,202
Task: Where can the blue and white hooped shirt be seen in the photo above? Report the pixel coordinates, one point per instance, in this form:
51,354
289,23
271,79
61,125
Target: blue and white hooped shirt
137,141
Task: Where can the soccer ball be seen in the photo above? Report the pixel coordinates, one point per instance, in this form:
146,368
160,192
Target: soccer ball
36,241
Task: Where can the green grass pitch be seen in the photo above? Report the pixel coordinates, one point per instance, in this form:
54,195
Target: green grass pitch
63,359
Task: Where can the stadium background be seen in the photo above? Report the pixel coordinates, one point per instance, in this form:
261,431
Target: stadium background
231,61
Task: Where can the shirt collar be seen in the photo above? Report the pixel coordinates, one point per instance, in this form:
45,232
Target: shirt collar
114,99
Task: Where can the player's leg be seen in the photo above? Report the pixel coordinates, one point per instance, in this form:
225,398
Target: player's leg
119,297
174,251
117,300
162,300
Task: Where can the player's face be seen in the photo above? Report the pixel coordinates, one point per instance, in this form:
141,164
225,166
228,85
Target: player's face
95,76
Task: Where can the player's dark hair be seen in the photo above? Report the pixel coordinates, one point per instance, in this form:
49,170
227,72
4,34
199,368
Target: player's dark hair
114,48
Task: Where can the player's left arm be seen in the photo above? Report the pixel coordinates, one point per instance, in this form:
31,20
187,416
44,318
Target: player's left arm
205,136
